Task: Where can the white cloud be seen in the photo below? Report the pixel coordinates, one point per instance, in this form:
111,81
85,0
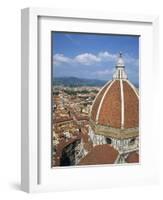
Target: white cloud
87,59
90,59
107,56
104,72
60,58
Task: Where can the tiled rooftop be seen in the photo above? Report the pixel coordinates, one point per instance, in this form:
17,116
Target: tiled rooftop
101,154
133,157
107,108
131,107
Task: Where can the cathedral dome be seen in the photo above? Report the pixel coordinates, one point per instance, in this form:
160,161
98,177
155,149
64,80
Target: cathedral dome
117,103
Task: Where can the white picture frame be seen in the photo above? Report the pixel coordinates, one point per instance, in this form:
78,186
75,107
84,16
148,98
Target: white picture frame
36,174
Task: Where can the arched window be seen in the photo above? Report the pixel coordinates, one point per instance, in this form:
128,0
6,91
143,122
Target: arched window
108,141
132,141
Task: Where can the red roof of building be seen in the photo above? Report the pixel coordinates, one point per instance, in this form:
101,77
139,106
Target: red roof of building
97,101
131,107
133,157
117,105
62,119
100,154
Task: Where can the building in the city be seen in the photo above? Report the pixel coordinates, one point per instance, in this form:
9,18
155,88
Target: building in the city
114,116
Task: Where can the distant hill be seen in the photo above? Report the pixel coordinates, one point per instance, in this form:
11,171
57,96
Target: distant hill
77,82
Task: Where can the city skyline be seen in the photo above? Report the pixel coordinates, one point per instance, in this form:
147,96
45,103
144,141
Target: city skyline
93,56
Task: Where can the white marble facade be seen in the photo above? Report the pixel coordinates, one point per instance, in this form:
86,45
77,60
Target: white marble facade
125,145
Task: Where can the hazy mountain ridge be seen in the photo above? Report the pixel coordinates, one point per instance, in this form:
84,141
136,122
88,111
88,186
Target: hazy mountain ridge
78,82
74,81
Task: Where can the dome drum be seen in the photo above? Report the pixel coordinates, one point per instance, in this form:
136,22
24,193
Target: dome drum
114,132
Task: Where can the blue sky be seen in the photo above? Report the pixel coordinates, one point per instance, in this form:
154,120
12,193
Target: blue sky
93,56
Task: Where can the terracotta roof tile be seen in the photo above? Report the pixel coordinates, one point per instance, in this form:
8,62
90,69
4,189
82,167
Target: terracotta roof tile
97,102
110,113
111,107
101,154
133,157
62,119
131,107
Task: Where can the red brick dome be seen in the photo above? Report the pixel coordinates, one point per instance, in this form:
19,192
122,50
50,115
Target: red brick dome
116,105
